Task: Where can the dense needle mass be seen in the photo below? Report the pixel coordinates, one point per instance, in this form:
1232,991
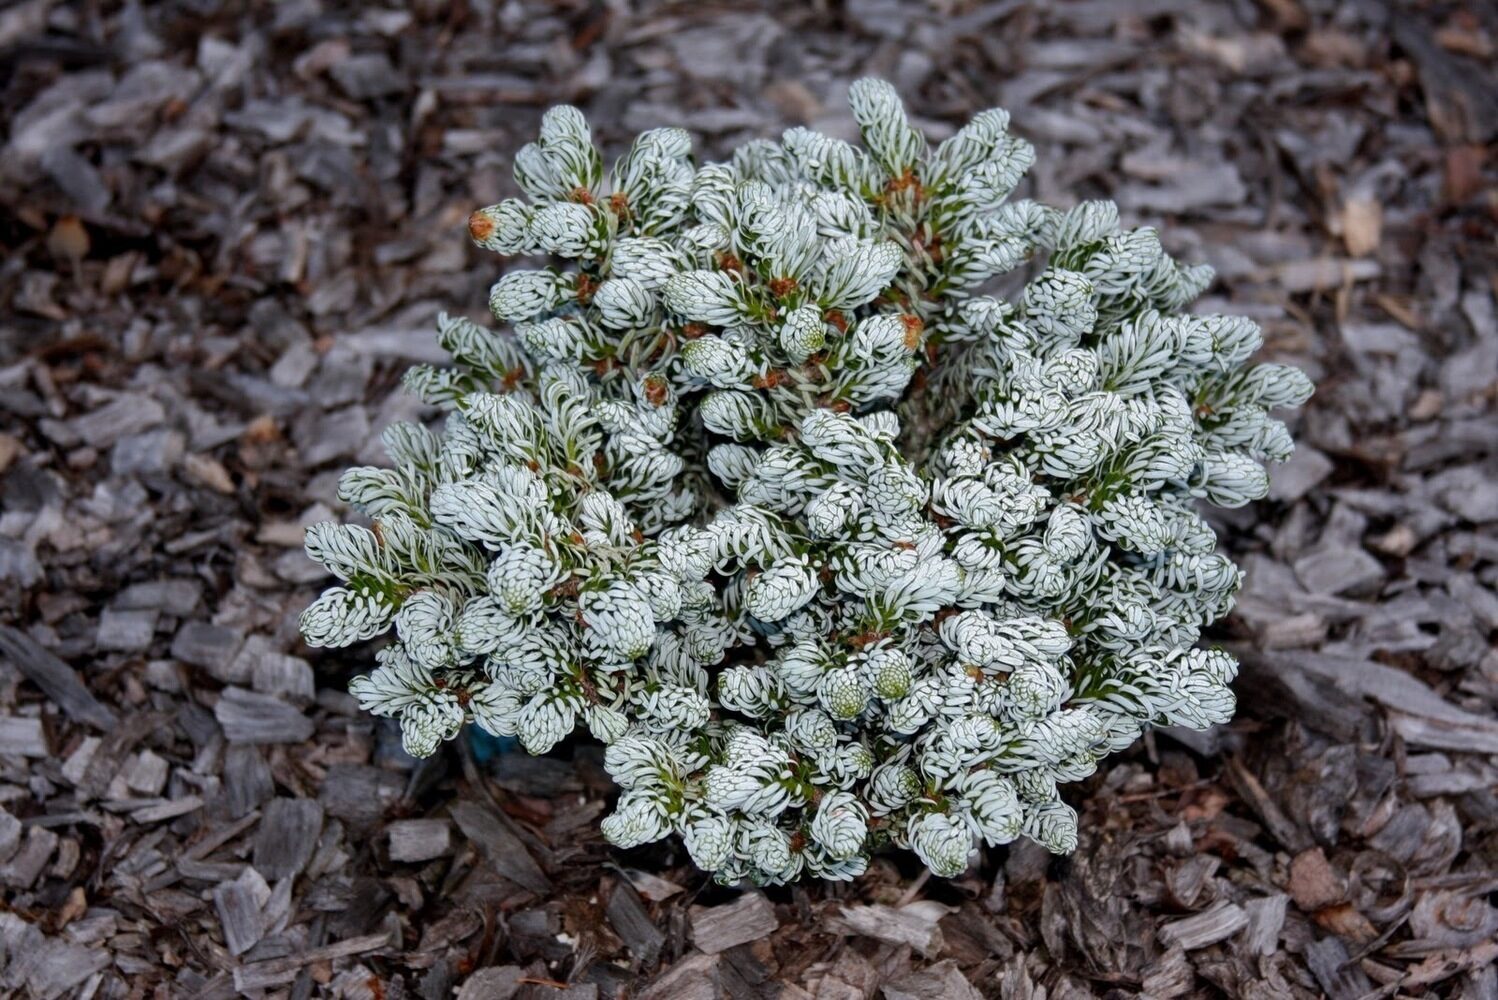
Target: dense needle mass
830,547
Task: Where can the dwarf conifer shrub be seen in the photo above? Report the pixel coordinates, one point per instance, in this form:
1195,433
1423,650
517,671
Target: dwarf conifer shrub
761,482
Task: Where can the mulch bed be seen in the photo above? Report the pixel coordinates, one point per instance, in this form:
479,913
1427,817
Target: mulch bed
228,227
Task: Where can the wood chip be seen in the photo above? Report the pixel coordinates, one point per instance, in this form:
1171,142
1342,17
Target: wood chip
25,737
1313,884
57,680
247,779
914,924
1362,225
126,631
419,839
274,972
651,887
942,981
288,834
211,647
77,763
1210,926
10,835
358,794
496,983
718,928
146,773
505,851
1337,974
630,920
1322,274
251,717
1170,975
157,812
694,977
26,863
1266,917
238,905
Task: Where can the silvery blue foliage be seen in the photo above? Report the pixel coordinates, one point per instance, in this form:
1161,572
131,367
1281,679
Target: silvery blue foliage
927,602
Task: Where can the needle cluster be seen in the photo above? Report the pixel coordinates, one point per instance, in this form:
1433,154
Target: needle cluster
830,545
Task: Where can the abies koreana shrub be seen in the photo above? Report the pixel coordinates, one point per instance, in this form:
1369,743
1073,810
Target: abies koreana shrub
760,483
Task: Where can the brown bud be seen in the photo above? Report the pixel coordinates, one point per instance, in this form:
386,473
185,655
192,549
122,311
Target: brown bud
913,328
781,287
480,226
657,391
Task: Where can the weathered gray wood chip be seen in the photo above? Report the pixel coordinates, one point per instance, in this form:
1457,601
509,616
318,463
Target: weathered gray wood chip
288,834
41,966
1219,923
1341,978
1266,917
494,983
146,773
10,835
247,778
915,924
23,736
58,681
631,921
718,928
205,645
694,977
239,914
26,864
284,676
419,839
1169,975
504,849
126,631
129,413
1417,712
359,793
165,809
177,596
251,717
273,972
942,981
